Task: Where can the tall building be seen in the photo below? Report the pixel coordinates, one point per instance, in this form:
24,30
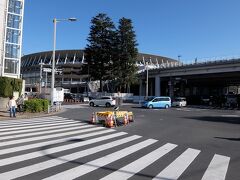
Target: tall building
11,25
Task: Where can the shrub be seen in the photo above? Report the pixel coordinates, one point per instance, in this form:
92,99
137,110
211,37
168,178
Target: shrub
9,85
36,105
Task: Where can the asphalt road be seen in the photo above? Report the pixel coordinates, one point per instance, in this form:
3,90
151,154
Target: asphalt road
208,130
176,143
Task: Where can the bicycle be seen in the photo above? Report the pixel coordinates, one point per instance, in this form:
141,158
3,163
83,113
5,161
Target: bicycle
20,109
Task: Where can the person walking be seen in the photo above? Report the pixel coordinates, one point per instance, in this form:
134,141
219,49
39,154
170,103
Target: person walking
12,106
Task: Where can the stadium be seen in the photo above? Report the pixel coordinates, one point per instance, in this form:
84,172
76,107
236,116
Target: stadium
36,70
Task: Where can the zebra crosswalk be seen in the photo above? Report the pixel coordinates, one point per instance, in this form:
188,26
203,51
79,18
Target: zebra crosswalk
61,148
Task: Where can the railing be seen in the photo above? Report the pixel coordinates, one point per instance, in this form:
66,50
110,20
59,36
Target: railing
196,62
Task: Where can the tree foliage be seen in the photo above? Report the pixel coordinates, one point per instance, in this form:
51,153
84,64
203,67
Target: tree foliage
125,62
111,53
99,50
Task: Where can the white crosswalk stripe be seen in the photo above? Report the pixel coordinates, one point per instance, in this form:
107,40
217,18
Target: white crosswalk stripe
31,121
40,128
42,138
91,166
66,127
70,157
177,167
136,166
32,125
30,139
31,128
55,149
217,169
50,142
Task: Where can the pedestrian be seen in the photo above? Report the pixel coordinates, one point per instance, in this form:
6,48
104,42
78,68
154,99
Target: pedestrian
12,106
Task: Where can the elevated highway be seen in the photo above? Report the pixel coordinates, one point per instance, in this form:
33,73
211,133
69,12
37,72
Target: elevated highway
198,79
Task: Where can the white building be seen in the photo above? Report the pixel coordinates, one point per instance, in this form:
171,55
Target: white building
11,25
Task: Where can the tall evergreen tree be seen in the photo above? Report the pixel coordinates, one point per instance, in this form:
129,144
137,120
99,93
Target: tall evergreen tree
100,47
126,55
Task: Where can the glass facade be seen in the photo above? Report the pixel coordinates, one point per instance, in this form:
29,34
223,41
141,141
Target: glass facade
13,36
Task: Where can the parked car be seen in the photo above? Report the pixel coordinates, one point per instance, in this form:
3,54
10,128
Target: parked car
157,102
179,102
70,96
103,101
205,100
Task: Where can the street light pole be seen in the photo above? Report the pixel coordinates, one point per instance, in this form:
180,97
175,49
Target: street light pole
147,80
53,56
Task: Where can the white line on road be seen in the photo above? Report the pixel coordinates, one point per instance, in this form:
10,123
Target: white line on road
41,127
66,128
217,169
178,166
50,142
95,164
141,163
35,120
70,157
52,150
79,130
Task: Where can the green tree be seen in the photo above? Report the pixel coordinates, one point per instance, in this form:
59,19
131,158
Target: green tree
100,47
126,55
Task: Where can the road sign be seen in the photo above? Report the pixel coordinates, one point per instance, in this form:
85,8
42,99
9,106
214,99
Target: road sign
47,69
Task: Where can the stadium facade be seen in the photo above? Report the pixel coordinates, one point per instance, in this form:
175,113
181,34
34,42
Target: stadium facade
11,26
36,70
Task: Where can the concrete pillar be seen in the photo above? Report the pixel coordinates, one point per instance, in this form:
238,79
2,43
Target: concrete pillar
171,87
157,86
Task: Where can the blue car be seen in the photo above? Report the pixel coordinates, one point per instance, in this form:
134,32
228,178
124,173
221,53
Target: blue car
157,102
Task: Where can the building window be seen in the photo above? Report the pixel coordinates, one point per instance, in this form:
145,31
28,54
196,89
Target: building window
14,21
13,36
12,51
11,66
15,6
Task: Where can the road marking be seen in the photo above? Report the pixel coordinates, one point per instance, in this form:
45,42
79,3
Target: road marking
70,157
100,162
29,124
67,128
50,142
217,168
10,164
141,163
178,166
77,131
22,121
41,128
36,154
32,125
230,115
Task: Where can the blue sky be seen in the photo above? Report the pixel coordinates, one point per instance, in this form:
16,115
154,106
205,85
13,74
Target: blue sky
190,28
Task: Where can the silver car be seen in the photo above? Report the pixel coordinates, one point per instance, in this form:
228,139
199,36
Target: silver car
107,101
179,102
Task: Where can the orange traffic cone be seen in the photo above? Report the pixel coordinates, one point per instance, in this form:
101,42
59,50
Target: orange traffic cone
93,119
130,118
125,119
109,121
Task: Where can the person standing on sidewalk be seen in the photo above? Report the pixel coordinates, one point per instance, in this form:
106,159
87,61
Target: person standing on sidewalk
12,106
